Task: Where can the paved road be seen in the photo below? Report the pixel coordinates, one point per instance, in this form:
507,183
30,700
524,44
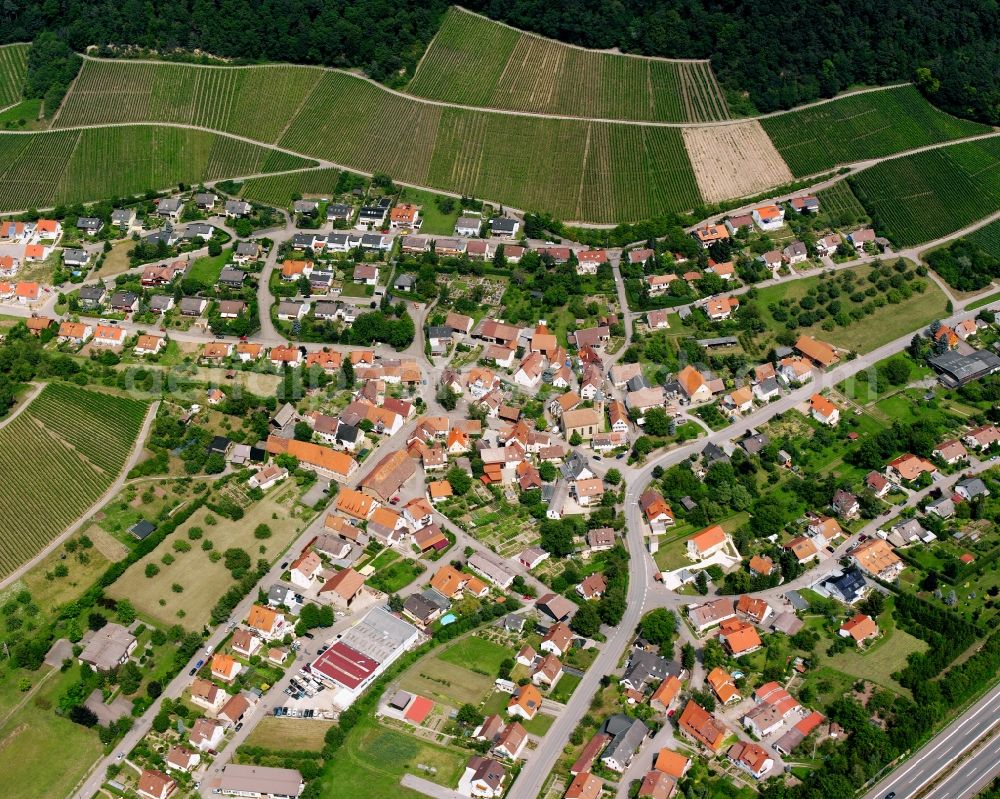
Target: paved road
113,489
642,567
943,750
972,776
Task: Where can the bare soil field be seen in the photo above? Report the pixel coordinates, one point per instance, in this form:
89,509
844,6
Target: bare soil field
734,160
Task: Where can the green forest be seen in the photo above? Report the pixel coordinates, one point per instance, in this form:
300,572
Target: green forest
767,55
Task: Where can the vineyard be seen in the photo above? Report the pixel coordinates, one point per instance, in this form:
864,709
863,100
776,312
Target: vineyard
61,454
13,68
597,171
476,61
927,195
840,205
279,190
988,237
256,102
40,170
861,126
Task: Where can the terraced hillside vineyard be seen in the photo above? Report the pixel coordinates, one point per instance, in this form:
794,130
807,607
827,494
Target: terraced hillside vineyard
861,126
476,61
279,190
252,101
594,171
39,170
13,68
927,195
60,455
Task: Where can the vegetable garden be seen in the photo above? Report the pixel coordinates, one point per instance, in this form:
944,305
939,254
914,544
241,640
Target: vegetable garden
13,68
476,61
60,454
860,126
928,195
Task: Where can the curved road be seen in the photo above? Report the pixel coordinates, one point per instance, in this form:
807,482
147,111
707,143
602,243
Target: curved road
641,566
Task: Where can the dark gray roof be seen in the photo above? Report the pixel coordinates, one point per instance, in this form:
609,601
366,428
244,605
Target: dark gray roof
338,211
305,206
644,666
439,331
142,528
957,369
246,248
849,586
503,224
974,486
421,607
405,280
347,433
713,453
123,298
89,223
627,736
73,254
637,382
755,443
94,291
230,275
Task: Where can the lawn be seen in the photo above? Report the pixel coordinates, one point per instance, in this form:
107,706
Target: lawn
396,575
540,724
564,688
448,683
284,733
116,261
84,566
877,662
34,736
477,654
435,220
23,116
884,325
206,270
203,580
373,759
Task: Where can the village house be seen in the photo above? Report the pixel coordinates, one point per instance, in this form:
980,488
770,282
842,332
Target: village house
707,542
698,724
860,628
876,557
824,411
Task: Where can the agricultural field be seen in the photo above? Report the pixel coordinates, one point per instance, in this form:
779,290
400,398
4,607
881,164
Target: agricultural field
287,733
595,171
251,101
839,204
40,170
928,195
13,69
278,190
476,61
886,323
202,579
987,237
860,126
734,160
63,451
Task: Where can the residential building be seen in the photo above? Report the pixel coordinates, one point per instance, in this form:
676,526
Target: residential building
700,725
